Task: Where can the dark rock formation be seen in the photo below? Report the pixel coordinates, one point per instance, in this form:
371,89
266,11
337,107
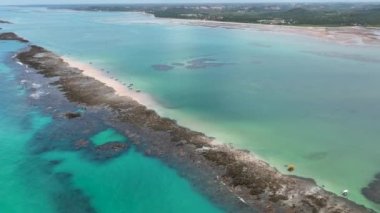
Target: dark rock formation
81,144
109,150
372,191
71,115
12,36
5,22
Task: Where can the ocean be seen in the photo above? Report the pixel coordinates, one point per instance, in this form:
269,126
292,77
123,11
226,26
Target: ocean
40,173
290,99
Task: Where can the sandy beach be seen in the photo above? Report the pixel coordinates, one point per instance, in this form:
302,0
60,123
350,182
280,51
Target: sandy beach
120,88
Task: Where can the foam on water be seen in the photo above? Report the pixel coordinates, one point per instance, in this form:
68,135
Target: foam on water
37,94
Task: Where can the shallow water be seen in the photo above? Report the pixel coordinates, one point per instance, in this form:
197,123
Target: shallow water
131,183
40,174
288,98
106,136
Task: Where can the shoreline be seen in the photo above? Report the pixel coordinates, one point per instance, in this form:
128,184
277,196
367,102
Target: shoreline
346,35
121,89
253,181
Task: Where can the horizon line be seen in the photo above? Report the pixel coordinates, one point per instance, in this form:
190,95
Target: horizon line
195,3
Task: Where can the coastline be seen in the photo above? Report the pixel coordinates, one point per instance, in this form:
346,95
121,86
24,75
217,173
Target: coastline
121,89
345,35
253,181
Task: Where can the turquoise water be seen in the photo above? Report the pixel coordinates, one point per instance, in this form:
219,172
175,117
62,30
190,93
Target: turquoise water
30,183
288,98
131,183
18,183
106,136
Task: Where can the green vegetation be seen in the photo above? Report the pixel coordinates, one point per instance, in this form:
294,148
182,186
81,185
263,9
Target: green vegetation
324,14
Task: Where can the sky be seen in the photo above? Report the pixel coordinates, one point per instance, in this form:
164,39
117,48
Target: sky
17,2
14,2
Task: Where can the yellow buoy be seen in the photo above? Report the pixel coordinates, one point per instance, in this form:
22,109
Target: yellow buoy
291,168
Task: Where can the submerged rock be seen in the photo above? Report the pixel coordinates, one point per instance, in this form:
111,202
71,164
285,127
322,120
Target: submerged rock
162,67
12,36
70,199
71,115
372,191
178,64
5,22
81,144
202,63
109,150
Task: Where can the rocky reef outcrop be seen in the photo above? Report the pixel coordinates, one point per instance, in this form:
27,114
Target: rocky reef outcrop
5,22
12,36
372,191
